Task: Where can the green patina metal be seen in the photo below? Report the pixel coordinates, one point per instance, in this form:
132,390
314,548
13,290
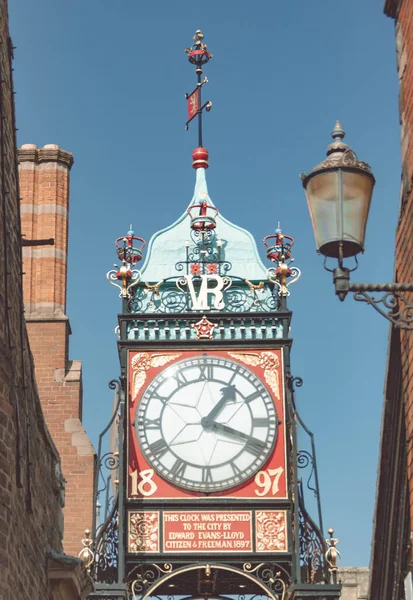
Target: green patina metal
167,246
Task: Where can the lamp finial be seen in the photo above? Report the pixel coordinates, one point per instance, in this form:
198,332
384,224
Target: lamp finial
338,131
337,145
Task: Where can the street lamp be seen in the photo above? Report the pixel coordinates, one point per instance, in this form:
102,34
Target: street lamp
339,192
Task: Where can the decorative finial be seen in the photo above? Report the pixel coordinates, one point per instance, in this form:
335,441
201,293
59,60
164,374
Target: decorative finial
86,554
200,158
332,556
198,55
279,252
204,219
129,253
126,250
338,131
337,146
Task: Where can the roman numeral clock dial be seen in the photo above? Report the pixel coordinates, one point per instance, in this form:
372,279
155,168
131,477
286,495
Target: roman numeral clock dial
206,424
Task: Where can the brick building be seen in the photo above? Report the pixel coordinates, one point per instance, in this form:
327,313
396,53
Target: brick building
31,481
392,558
44,192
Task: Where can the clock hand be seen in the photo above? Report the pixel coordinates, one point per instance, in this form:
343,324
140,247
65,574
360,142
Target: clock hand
228,395
226,429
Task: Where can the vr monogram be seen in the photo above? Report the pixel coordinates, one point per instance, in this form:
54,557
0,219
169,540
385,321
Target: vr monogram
200,299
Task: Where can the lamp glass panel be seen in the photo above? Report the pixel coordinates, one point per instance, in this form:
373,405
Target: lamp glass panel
323,203
357,192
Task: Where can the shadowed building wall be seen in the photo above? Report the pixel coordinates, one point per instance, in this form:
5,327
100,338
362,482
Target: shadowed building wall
31,482
391,559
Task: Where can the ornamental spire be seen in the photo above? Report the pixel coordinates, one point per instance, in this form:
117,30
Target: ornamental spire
198,55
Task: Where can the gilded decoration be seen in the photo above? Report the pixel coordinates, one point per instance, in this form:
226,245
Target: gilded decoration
143,531
268,361
270,529
141,363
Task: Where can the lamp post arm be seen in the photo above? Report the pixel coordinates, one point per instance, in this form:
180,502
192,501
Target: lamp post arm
380,287
392,304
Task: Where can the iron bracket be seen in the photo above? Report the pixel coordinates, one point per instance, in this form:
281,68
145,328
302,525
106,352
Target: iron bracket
392,304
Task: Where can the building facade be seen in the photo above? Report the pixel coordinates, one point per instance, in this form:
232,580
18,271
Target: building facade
392,559
32,487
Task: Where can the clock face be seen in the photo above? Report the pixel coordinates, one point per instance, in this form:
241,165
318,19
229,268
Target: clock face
206,424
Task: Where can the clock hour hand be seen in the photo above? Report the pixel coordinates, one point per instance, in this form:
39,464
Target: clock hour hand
227,430
228,395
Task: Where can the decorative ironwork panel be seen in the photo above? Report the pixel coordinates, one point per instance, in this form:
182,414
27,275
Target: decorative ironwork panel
154,580
312,548
225,328
203,282
105,565
194,291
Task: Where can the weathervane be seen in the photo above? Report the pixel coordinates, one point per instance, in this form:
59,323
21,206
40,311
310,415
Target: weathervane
198,55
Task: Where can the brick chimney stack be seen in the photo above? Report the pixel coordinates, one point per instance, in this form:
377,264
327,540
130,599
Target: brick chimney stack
44,189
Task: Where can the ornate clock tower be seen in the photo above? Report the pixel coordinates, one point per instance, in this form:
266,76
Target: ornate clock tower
201,486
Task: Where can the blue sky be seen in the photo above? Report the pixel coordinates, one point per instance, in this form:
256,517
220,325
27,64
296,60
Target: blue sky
106,81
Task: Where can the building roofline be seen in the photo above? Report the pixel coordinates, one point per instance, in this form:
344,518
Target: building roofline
392,8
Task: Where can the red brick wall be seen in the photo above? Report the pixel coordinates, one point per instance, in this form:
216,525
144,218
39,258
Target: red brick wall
404,234
44,192
60,387
31,487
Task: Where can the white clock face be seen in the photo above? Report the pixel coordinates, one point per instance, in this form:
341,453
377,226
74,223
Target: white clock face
206,424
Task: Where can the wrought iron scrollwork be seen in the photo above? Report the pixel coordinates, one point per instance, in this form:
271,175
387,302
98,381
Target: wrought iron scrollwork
312,546
173,301
172,295
144,576
135,304
238,300
110,461
271,303
297,381
304,460
105,535
265,579
281,281
204,258
392,305
275,577
307,458
105,566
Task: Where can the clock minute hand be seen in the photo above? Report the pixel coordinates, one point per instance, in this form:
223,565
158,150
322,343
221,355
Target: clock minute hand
228,395
226,429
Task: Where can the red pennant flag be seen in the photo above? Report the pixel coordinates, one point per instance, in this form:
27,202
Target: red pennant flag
193,104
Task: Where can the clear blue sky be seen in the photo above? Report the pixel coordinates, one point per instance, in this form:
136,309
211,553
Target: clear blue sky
106,81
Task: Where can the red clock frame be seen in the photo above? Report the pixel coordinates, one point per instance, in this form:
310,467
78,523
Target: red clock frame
145,484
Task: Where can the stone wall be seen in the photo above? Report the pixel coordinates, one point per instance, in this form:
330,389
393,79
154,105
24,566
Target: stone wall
355,582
